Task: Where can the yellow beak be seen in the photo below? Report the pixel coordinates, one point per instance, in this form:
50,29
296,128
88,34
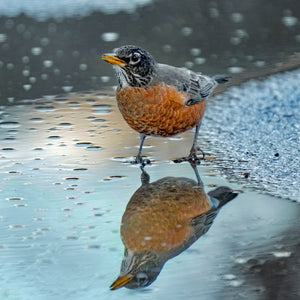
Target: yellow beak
121,281
112,59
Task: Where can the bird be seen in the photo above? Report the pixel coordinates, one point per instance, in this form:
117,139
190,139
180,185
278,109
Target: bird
158,99
161,220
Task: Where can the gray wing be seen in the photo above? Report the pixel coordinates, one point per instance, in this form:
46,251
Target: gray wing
197,86
202,223
217,199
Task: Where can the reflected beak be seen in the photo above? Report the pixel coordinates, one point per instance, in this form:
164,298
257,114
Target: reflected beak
121,281
112,59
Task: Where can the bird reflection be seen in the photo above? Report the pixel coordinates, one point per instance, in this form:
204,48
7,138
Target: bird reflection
161,220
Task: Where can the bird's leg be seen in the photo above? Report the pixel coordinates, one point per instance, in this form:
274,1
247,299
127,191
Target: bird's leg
139,159
145,178
193,153
192,157
194,166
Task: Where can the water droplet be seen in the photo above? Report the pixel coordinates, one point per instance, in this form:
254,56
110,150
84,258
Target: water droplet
167,48
200,60
3,37
25,73
213,12
235,70
64,124
67,88
36,119
186,31
116,176
44,76
48,63
45,41
83,144
93,246
229,276
25,59
289,21
237,17
235,283
83,67
241,260
14,199
101,109
36,50
195,51
20,205
26,87
74,104
110,36
105,79
16,226
32,79
10,66
61,100
72,237
99,120
9,124
94,148
280,254
45,108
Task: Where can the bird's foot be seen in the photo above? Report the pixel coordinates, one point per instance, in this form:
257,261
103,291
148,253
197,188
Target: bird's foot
139,160
192,158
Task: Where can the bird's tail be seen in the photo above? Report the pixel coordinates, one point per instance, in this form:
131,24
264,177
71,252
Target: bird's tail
223,195
221,78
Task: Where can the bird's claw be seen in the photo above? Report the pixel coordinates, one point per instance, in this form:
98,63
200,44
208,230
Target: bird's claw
192,158
139,160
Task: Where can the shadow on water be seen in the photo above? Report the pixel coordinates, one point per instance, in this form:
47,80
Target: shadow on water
162,219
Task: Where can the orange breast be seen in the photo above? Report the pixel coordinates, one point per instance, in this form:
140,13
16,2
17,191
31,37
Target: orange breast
158,215
159,110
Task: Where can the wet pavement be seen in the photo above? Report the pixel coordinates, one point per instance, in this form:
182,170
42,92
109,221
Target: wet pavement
65,186
64,148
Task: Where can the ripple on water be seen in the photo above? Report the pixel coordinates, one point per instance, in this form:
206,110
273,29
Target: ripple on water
84,144
36,119
14,198
94,148
101,108
99,120
64,124
45,108
9,124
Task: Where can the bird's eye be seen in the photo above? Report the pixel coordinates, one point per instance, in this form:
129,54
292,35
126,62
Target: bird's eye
142,278
135,57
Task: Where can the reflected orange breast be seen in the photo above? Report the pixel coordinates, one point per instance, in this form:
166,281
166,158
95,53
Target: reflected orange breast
159,110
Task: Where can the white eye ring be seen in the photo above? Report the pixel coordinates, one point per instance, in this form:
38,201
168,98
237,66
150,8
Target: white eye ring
135,57
142,278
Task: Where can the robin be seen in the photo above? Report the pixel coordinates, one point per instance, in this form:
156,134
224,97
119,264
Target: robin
162,219
157,99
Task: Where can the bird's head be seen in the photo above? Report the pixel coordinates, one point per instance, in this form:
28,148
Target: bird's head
134,66
138,270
